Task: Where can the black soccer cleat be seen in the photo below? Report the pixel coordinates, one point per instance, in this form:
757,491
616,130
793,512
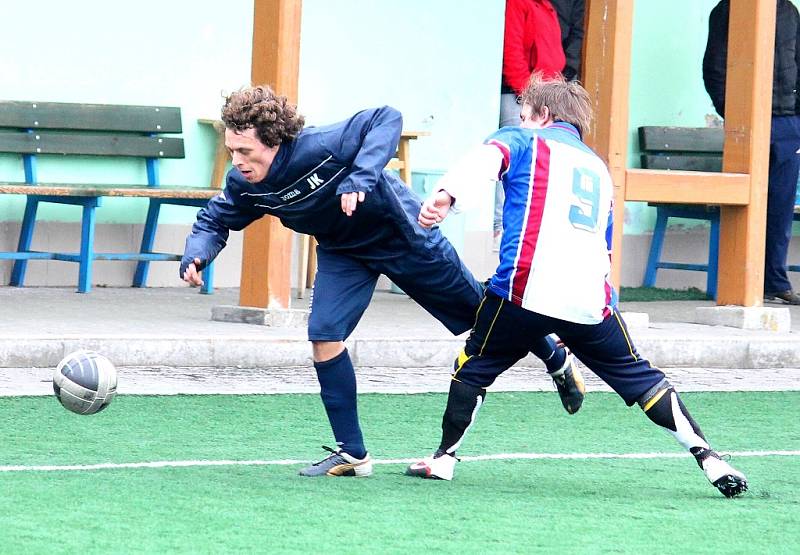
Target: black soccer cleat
729,481
570,385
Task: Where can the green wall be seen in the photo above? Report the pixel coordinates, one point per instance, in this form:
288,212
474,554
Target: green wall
666,81
437,61
177,53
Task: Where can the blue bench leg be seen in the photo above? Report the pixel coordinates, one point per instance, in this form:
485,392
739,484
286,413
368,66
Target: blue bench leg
655,248
713,258
148,240
25,239
208,280
87,247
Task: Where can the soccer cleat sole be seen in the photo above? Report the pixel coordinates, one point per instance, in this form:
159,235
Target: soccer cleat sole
361,470
436,468
573,389
422,472
731,485
580,384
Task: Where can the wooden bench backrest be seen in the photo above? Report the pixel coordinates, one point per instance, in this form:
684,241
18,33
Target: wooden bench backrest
682,148
90,129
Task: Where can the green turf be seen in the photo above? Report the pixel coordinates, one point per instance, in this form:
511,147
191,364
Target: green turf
643,294
546,506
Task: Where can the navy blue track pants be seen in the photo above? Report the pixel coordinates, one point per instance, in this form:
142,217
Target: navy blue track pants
431,274
502,330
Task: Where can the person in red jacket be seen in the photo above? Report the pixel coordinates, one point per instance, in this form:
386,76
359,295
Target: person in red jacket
531,42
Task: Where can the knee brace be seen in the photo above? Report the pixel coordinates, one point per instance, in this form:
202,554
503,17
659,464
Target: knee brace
664,407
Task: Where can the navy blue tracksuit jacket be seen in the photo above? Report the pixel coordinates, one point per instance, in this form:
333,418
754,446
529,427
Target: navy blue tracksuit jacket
302,189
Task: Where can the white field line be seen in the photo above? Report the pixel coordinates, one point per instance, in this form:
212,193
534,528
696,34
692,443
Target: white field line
285,462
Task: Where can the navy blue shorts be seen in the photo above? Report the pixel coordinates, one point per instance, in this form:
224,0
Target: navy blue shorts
431,274
503,331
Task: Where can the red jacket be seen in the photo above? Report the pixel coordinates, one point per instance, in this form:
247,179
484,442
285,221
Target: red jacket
532,41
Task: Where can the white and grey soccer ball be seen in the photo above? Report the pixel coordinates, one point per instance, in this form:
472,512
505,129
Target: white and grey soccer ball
85,382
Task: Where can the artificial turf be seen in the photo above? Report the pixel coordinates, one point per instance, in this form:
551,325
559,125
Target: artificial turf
505,506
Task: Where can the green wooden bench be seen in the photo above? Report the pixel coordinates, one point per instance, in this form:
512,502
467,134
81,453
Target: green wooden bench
36,130
693,149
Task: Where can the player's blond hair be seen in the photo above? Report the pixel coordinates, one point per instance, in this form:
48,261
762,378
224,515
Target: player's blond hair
567,100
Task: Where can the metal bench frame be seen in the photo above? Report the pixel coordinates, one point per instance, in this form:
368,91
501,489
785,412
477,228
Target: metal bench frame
90,197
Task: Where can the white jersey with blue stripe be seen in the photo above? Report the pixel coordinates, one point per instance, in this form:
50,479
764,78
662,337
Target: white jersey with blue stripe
555,250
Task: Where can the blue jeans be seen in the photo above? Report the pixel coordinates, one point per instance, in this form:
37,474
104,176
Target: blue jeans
784,166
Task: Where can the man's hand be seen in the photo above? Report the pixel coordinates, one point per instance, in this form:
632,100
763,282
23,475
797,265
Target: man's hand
192,275
350,201
435,209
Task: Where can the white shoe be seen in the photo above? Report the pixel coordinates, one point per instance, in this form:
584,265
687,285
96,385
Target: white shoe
729,481
439,466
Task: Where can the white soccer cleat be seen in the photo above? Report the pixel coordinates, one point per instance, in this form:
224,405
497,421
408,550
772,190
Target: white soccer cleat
729,481
439,466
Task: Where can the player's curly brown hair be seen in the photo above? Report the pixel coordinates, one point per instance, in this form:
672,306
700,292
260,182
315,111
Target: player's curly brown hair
567,100
273,117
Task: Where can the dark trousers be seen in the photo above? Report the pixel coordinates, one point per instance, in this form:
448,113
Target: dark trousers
784,165
431,273
503,331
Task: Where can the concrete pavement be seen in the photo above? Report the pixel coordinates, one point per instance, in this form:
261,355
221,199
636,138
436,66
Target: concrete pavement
171,327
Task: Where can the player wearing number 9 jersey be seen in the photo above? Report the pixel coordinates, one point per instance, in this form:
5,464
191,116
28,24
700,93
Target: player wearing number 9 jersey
558,199
553,275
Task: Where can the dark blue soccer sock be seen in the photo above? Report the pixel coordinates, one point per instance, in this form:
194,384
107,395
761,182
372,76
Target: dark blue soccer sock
337,382
552,355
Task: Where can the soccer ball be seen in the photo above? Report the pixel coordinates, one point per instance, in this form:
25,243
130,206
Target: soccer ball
85,382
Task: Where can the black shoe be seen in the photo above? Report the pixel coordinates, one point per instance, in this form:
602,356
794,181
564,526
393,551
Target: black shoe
339,463
729,481
787,297
570,384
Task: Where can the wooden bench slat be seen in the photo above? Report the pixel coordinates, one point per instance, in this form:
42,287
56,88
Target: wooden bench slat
689,162
102,190
681,139
90,117
93,145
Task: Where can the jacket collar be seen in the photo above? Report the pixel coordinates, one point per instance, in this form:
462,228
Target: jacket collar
568,127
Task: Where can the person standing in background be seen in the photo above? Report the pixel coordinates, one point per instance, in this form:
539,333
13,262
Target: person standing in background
784,142
571,14
531,42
